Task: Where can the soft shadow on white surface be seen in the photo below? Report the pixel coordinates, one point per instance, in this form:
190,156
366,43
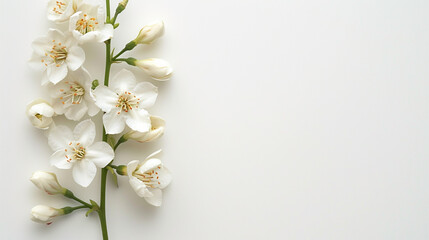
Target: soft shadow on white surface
285,120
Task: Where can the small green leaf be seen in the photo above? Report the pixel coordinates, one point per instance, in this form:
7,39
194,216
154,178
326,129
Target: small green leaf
116,25
94,205
114,176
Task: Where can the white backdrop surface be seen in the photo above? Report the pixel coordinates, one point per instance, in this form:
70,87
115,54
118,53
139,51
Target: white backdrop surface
285,120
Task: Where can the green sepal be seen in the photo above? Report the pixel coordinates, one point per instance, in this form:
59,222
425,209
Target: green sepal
122,170
67,210
94,84
116,25
114,176
131,61
111,141
68,194
95,207
130,46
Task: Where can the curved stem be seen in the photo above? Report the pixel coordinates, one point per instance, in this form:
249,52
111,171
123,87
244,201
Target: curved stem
81,201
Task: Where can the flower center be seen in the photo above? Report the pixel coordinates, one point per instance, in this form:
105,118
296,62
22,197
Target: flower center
57,54
127,101
38,116
59,7
86,24
150,178
73,94
75,152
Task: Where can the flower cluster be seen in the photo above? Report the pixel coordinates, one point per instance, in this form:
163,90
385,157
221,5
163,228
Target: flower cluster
123,100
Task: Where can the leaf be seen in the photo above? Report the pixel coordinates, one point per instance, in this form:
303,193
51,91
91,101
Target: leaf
114,176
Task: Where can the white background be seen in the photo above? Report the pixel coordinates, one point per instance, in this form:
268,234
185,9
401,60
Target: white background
285,120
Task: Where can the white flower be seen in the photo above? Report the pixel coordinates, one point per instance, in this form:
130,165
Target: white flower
72,97
156,131
59,11
87,25
40,113
158,69
76,150
56,54
124,102
148,177
47,182
45,214
150,33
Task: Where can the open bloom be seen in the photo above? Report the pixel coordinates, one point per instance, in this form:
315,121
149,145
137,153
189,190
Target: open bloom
157,68
77,150
72,97
60,10
40,113
148,177
156,131
150,33
56,54
45,214
124,101
47,182
87,25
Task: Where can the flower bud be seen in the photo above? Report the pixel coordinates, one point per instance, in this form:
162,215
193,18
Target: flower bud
45,214
40,113
47,182
158,125
149,33
121,6
158,69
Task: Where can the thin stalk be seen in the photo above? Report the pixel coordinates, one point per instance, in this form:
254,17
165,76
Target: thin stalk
81,201
102,210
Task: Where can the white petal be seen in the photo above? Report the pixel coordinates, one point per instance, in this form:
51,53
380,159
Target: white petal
105,98
36,63
113,122
84,132
56,74
75,57
147,93
154,154
105,33
84,172
59,137
123,81
149,165
139,187
88,37
156,199
132,166
100,153
138,120
40,45
165,177
92,108
59,160
76,111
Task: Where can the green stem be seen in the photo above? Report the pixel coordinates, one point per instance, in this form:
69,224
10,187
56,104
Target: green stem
115,58
81,201
121,140
79,207
102,210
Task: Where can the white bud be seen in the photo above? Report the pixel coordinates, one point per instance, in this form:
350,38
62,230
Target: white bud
40,113
157,130
157,68
45,214
150,33
47,182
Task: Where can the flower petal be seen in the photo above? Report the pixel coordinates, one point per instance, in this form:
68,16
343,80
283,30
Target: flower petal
149,165
105,98
76,111
100,153
105,33
165,177
75,57
131,166
36,63
123,81
147,93
56,72
59,160
84,132
139,187
138,120
84,172
59,137
113,122
156,199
